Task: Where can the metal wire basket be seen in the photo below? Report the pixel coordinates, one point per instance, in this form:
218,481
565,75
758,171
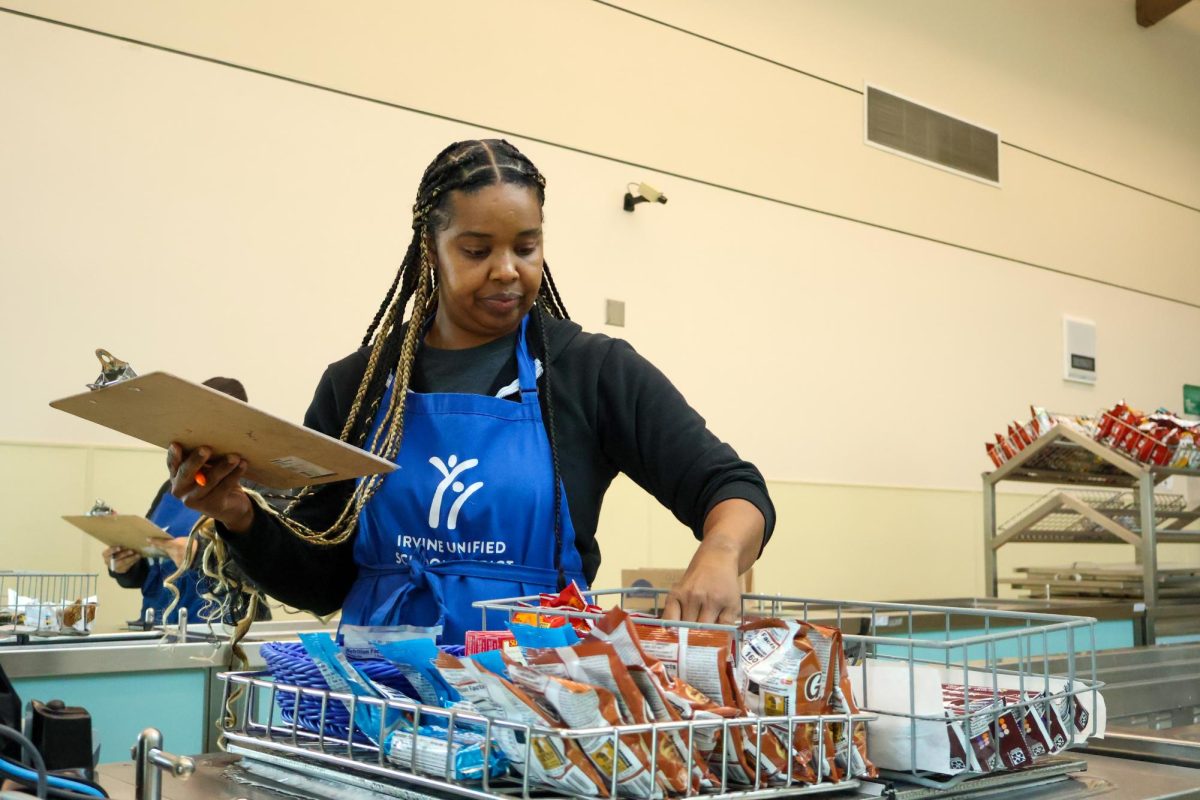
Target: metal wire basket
47,603
902,648
259,734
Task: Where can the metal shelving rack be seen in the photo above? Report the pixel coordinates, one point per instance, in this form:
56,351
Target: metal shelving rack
1067,457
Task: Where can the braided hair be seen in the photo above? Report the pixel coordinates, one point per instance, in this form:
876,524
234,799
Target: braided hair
393,341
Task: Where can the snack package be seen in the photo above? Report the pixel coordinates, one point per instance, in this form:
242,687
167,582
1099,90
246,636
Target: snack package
581,706
989,754
414,659
558,763
995,455
482,641
530,636
571,598
432,751
779,675
342,677
668,701
704,659
839,699
357,640
596,663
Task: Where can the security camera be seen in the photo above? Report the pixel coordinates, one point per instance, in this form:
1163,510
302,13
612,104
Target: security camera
645,194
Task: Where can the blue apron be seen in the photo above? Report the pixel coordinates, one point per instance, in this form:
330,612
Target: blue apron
176,519
468,515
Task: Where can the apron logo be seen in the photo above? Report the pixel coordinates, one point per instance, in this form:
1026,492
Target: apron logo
451,469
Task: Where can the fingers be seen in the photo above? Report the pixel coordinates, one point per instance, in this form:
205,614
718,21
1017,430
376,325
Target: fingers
213,478
672,609
227,479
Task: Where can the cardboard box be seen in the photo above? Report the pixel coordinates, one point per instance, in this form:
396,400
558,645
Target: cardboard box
662,578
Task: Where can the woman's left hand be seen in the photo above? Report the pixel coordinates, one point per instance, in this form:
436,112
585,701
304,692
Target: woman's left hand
710,590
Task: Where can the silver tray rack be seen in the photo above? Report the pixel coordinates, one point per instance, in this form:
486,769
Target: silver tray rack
257,732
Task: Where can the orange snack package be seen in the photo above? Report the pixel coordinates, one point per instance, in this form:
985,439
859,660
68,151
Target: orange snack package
556,762
579,705
704,659
839,698
596,663
669,701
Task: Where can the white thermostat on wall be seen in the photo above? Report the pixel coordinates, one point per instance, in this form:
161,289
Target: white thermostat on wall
1079,350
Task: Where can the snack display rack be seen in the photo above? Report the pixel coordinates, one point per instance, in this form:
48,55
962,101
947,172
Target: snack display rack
259,733
46,603
1134,516
1014,651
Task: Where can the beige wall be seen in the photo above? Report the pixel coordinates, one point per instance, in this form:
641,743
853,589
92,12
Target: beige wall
207,220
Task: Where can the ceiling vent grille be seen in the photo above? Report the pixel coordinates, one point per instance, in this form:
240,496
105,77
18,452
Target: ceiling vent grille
901,126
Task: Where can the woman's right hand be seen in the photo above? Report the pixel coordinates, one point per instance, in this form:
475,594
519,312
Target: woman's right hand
120,559
221,497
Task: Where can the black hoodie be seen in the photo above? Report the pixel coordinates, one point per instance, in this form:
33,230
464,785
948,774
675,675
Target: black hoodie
613,412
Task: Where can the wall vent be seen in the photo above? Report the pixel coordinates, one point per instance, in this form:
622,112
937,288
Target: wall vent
900,126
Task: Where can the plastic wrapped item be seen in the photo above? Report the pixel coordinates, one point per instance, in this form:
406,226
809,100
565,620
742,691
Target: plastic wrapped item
595,662
581,706
414,659
556,762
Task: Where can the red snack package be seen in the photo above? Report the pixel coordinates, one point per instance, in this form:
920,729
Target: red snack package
1014,437
1023,434
1005,447
581,706
994,455
482,641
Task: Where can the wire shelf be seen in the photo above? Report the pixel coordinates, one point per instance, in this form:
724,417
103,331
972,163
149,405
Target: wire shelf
47,603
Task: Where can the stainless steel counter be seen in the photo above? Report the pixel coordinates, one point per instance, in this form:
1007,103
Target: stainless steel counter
221,778
141,652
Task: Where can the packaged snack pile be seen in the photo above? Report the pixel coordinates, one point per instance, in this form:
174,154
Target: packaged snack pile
621,670
1160,438
1006,733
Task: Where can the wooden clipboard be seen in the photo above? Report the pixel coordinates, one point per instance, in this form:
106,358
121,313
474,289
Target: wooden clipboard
160,408
122,530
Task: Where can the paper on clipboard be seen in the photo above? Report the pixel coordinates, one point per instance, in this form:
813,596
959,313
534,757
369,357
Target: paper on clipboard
122,530
161,408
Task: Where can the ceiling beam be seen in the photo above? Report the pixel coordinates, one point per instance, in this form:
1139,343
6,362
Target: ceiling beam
1152,11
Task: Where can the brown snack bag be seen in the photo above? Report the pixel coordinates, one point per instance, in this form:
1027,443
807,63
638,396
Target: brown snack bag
616,628
581,706
596,663
557,762
828,646
780,675
704,659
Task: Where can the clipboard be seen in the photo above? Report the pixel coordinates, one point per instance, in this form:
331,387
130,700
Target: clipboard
121,530
161,408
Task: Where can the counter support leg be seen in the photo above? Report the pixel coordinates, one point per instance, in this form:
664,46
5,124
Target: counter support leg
990,585
1149,553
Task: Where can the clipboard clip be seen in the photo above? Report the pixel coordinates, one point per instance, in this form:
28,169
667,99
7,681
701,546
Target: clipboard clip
112,370
101,509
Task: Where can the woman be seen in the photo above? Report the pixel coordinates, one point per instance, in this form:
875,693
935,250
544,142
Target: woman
507,423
